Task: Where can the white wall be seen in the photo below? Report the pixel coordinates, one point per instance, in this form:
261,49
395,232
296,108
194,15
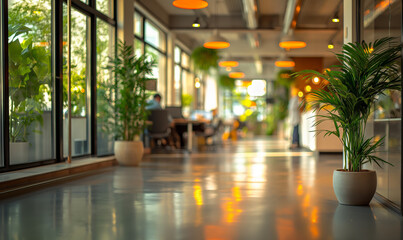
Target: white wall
211,98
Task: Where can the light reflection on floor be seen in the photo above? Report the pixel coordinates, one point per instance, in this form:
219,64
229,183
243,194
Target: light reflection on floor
249,190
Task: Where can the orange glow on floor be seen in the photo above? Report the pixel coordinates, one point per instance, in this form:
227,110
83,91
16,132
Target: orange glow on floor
198,195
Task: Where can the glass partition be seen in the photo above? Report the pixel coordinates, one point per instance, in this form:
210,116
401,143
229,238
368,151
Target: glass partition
383,19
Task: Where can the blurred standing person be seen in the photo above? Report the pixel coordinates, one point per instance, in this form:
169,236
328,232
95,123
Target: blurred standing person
295,118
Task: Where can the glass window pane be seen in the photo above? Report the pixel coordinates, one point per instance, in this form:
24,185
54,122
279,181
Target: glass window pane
177,55
30,83
105,50
138,47
106,7
80,77
138,25
154,36
177,86
381,22
159,71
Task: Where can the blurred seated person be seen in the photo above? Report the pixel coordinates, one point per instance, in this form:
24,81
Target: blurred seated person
211,127
154,103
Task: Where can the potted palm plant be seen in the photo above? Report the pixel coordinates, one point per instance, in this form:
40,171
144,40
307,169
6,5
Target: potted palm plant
126,113
365,72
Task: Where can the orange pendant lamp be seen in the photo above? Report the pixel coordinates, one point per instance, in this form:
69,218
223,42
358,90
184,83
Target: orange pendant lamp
228,64
190,4
284,62
236,75
290,42
216,42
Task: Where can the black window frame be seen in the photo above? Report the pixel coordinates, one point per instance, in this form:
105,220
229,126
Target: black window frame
146,44
57,79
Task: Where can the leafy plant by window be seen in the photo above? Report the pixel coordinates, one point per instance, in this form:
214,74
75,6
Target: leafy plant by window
279,110
226,82
366,71
205,58
126,113
187,99
29,66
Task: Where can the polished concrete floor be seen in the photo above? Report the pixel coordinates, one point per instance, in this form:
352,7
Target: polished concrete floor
252,189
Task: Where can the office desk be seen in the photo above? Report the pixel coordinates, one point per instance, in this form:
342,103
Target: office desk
189,123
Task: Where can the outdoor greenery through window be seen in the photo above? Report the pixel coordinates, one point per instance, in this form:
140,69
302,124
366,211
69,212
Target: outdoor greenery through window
80,76
159,71
153,43
106,7
138,25
30,82
138,47
105,51
177,86
37,63
154,36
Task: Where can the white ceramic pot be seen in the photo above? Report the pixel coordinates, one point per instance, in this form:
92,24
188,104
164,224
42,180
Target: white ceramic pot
129,153
19,152
354,188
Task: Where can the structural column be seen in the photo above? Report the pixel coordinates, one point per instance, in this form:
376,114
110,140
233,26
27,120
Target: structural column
125,18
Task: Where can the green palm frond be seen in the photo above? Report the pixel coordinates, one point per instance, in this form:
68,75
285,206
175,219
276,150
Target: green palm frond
365,72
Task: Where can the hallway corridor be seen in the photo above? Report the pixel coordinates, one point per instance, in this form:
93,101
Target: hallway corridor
251,189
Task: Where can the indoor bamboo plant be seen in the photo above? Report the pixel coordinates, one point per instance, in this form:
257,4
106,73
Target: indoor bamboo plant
126,109
364,73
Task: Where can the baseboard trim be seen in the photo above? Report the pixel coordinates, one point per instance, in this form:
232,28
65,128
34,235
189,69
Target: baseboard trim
388,204
24,184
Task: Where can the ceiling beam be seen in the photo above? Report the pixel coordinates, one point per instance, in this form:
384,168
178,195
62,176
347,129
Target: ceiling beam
221,21
246,30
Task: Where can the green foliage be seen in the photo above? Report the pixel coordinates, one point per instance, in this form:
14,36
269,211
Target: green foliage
366,71
187,99
125,111
29,69
205,58
226,82
78,92
285,78
279,111
33,14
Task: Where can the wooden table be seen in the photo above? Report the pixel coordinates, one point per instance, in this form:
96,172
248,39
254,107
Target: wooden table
189,129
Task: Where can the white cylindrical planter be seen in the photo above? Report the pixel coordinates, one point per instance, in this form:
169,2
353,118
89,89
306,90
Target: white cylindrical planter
354,188
19,152
129,153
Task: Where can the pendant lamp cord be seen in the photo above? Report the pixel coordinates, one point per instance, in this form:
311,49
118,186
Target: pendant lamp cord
390,17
